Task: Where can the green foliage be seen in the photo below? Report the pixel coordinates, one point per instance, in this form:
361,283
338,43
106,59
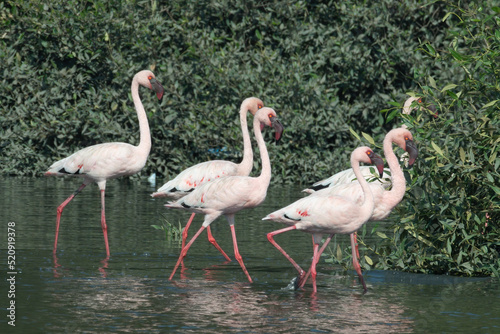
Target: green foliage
449,220
323,66
172,232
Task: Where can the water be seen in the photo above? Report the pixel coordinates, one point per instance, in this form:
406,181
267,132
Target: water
131,292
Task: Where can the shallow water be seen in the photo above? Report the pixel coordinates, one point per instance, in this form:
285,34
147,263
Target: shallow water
79,291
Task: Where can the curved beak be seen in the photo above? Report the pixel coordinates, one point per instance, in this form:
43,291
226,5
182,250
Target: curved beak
278,128
411,148
378,162
157,87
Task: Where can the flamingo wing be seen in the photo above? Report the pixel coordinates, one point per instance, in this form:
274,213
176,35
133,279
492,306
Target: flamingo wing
195,176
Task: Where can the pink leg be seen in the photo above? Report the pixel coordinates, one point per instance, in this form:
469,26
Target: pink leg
355,262
355,236
103,224
302,281
184,251
270,237
313,266
185,231
211,239
237,254
60,209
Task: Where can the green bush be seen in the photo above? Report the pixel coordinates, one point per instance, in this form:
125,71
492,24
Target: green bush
449,220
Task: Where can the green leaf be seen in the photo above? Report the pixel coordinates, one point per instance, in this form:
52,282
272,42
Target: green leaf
489,104
368,138
448,87
382,235
432,82
354,134
368,260
456,55
462,154
437,149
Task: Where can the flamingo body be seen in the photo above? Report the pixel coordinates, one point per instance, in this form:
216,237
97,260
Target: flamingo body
324,213
101,162
229,195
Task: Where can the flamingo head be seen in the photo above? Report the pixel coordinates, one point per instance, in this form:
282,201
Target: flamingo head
147,79
366,155
404,139
267,116
409,106
252,104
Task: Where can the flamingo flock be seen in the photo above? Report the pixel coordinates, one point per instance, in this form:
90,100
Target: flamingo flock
340,204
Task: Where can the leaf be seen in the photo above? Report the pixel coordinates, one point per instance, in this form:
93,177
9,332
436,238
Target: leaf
462,154
437,149
354,134
382,235
448,87
456,55
368,260
393,114
432,51
432,82
368,138
339,253
489,104
446,16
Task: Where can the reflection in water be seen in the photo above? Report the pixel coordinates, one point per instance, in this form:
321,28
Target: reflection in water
81,290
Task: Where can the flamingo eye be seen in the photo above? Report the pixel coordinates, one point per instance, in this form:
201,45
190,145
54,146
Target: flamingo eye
150,77
420,100
369,153
260,106
406,138
270,115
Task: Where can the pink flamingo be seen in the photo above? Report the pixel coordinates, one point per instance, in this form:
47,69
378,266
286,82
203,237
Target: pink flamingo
229,195
198,174
347,176
332,214
99,163
385,200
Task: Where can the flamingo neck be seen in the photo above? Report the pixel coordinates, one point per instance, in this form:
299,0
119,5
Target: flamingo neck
368,204
145,136
245,166
395,195
264,155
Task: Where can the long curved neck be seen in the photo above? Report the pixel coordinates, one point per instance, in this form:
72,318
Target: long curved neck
145,139
366,208
264,155
395,195
246,164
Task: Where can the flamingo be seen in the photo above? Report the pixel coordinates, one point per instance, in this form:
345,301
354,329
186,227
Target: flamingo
385,200
101,162
198,174
332,214
347,176
231,194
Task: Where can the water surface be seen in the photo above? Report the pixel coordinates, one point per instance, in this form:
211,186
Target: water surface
80,291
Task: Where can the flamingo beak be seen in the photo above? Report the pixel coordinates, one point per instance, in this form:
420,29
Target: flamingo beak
278,128
378,162
157,87
412,150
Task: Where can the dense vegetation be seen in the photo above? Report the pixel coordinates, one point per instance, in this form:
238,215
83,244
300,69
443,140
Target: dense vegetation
325,66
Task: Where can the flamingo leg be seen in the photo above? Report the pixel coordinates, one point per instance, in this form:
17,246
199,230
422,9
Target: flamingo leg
237,254
355,234
103,224
185,230
355,262
302,281
211,239
184,251
60,209
270,237
313,267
